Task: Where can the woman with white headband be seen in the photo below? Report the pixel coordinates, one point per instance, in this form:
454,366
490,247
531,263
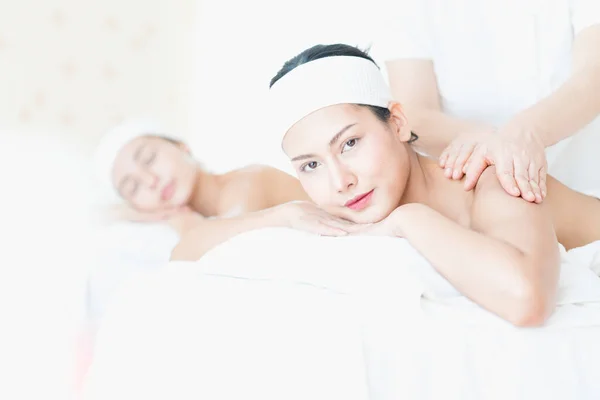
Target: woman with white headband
350,144
156,175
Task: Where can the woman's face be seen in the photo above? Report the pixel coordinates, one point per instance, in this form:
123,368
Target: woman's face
153,174
350,162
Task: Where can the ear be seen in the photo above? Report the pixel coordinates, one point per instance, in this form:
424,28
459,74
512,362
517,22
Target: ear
184,147
399,121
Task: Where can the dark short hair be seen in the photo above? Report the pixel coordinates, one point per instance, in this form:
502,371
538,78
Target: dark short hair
334,50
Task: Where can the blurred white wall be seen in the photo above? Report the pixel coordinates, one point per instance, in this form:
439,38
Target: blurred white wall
73,68
202,67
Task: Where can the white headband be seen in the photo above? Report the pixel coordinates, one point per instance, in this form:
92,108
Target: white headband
325,82
115,139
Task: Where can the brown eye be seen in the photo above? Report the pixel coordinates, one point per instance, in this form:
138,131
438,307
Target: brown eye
349,144
309,166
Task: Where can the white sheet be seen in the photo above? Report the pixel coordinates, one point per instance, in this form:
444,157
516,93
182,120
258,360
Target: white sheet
282,314
124,251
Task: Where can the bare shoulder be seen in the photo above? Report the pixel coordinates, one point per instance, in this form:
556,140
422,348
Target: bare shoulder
260,176
488,191
492,205
259,186
488,181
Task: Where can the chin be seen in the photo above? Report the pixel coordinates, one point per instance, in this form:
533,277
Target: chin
181,198
369,215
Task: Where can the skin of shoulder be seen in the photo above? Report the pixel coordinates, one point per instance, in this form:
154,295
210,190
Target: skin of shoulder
527,226
257,187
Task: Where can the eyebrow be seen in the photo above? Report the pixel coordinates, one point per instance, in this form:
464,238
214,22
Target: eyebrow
138,151
333,140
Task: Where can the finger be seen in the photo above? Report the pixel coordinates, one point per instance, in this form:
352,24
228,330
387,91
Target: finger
444,157
506,175
344,225
452,156
534,178
522,178
543,177
324,229
164,214
475,167
369,230
464,155
330,213
351,228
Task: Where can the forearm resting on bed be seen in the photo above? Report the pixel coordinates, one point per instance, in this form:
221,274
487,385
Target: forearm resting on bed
196,242
493,273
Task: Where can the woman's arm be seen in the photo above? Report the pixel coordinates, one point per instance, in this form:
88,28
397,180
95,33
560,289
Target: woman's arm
196,242
299,215
518,149
413,84
576,102
508,261
269,188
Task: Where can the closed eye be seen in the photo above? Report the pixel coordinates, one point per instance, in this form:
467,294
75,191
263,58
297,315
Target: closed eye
133,188
129,187
150,158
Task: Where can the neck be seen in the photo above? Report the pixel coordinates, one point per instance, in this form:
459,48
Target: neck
205,198
419,181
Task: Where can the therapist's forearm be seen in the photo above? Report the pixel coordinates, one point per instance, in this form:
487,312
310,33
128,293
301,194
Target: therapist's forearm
570,108
436,130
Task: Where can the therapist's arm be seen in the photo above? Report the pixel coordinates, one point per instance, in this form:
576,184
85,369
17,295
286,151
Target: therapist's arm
575,103
413,84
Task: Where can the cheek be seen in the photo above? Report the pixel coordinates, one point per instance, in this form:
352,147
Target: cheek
395,168
315,185
372,161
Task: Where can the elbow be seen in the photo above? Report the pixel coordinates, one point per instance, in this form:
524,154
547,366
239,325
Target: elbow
532,305
186,251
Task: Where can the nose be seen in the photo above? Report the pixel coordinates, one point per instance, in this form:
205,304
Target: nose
342,177
149,179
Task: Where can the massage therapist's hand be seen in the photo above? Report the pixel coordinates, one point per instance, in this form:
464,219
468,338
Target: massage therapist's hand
306,216
516,152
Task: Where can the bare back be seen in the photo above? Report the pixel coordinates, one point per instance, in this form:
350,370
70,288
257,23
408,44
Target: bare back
576,216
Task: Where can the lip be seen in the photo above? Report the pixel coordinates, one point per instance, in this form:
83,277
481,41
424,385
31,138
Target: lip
167,193
360,201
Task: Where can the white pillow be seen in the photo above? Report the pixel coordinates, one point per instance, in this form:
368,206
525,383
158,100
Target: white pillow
343,264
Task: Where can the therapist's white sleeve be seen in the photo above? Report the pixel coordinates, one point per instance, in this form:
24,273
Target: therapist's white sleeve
404,32
584,13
